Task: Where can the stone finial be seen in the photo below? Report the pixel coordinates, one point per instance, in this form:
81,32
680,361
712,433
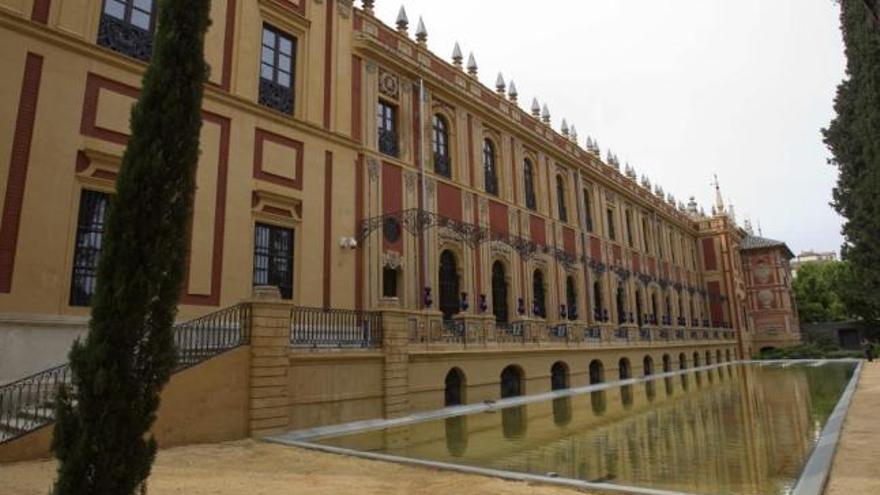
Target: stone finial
421,33
646,182
719,201
609,157
692,206
545,114
368,6
702,212
500,85
511,91
596,151
472,65
574,133
564,128
402,21
748,227
536,108
456,56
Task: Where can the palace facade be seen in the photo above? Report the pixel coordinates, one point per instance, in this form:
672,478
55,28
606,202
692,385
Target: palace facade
350,167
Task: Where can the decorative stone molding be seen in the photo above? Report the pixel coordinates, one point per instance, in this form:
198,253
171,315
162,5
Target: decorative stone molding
392,260
389,84
409,179
373,168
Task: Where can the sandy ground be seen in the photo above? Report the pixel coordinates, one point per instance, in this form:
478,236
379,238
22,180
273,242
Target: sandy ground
856,469
256,468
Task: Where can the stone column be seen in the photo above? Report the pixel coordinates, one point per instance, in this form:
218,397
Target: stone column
395,346
270,364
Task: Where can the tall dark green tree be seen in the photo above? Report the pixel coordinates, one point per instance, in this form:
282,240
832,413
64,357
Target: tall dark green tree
101,436
854,140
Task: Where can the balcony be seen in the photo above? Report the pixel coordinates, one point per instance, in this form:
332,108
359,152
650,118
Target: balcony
316,329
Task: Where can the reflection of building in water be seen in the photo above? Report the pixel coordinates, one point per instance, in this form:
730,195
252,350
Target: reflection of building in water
745,431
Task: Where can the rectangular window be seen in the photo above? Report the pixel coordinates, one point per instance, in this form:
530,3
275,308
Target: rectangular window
273,258
126,26
646,236
611,232
277,64
387,115
87,250
629,232
389,282
588,212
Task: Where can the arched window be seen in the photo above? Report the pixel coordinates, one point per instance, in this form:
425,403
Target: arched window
571,298
560,199
696,359
654,308
540,301
640,317
727,355
512,382
624,369
621,305
490,171
449,298
455,383
597,372
667,363
682,361
708,358
499,293
559,376
529,180
718,356
442,161
648,365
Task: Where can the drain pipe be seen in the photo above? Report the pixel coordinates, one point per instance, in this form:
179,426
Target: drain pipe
423,200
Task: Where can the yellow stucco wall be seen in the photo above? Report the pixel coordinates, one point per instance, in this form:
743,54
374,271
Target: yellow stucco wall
204,404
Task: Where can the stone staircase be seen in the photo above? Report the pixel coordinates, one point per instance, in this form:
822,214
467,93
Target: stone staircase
29,403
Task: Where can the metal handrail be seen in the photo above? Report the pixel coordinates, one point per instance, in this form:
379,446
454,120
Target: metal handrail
29,403
335,328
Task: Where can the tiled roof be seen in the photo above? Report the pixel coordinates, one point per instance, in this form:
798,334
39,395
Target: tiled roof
755,242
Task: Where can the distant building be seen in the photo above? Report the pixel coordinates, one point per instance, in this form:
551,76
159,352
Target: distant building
811,257
771,306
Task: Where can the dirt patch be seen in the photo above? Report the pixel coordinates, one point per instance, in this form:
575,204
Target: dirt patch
258,468
855,469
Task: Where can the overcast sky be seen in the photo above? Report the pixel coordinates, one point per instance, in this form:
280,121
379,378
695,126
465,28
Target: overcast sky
680,89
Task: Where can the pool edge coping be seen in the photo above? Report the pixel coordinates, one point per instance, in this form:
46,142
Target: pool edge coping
816,472
821,458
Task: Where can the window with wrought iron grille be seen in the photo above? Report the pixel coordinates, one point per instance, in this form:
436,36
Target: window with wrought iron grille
126,26
489,168
277,69
87,249
387,115
571,298
442,162
273,258
529,180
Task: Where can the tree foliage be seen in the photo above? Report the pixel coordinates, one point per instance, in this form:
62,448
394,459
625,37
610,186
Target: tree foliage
817,289
854,140
100,437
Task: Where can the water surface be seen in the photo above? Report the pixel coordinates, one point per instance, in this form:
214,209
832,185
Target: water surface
739,429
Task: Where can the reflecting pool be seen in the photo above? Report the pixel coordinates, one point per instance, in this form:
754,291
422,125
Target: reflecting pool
738,429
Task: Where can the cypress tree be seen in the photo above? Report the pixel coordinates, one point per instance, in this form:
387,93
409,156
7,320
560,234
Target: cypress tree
100,436
854,141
